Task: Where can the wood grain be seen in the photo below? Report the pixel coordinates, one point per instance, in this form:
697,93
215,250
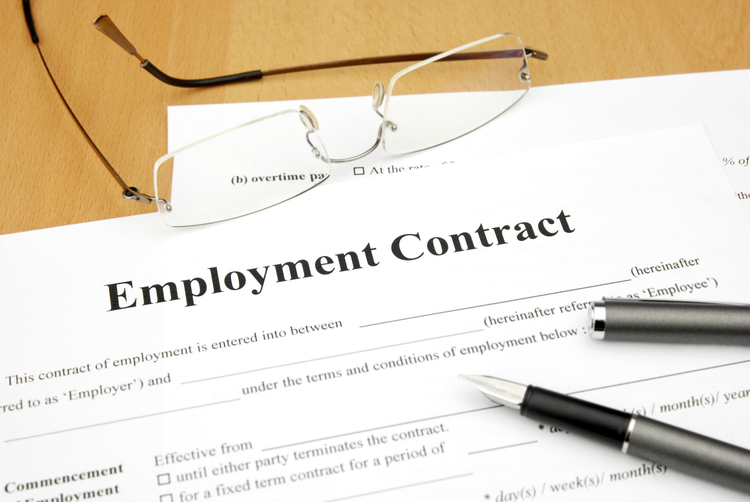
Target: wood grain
50,177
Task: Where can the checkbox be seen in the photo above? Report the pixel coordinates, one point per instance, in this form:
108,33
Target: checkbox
359,171
166,498
163,479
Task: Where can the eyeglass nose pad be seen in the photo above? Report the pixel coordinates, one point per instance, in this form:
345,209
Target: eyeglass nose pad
308,118
523,73
378,93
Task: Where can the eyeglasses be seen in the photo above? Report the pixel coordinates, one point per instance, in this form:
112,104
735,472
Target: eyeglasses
269,160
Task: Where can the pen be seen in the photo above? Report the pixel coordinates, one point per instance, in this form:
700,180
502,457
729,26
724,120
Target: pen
667,321
682,450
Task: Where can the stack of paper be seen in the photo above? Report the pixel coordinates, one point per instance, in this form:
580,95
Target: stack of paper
312,351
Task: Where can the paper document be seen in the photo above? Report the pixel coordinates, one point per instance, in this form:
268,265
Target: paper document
551,115
312,351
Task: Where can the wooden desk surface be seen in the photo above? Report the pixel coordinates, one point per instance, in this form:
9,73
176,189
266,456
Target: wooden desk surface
49,175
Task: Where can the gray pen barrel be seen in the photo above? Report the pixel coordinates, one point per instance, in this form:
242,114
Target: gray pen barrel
691,453
671,322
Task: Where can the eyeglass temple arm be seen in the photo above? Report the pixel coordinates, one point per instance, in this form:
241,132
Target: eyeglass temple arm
404,58
128,192
104,24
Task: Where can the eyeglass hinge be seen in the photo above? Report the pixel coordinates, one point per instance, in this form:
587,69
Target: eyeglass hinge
134,194
533,53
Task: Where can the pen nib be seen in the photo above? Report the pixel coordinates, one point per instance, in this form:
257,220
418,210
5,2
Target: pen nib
501,391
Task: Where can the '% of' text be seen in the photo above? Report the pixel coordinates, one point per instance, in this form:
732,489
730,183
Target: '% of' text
743,162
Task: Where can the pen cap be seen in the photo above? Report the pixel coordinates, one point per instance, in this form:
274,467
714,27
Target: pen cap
692,453
670,321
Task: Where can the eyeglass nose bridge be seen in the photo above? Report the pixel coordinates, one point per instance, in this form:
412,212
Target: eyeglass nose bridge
378,96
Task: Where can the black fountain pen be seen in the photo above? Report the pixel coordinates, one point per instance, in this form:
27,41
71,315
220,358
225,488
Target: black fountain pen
664,444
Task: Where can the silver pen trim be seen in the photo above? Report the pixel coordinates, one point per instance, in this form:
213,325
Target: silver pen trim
598,317
628,435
